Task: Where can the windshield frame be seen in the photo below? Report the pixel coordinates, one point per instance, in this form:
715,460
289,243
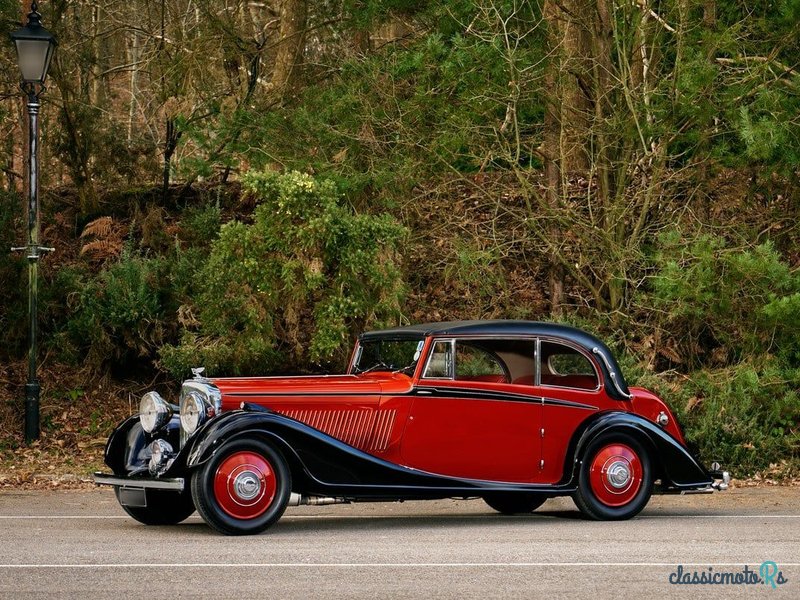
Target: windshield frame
357,351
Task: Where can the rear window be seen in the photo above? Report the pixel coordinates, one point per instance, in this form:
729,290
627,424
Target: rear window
563,366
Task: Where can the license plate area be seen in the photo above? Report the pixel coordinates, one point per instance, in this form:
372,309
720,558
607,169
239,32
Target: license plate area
131,496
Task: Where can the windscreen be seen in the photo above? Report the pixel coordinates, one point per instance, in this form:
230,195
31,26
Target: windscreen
400,355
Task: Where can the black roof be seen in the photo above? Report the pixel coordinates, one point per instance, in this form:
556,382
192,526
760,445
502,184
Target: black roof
502,327
488,327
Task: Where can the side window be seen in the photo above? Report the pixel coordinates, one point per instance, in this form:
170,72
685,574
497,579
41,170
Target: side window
476,364
563,366
440,364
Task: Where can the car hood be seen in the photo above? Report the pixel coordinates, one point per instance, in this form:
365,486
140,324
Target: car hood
237,389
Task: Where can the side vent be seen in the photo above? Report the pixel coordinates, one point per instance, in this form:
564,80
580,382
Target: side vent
362,428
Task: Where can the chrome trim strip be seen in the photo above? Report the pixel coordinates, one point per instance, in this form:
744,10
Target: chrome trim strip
176,484
464,393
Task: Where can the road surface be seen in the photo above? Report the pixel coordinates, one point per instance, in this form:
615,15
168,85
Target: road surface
79,544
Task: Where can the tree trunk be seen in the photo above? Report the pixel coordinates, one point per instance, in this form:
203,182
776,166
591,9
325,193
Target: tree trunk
133,58
574,75
552,150
170,145
290,48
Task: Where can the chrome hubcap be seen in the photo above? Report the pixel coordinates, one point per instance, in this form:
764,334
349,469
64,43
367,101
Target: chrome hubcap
618,474
247,485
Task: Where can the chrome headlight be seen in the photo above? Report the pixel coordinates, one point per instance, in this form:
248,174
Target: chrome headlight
194,411
200,401
154,412
160,452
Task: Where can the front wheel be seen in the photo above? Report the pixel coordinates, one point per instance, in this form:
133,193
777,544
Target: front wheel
163,507
243,489
615,480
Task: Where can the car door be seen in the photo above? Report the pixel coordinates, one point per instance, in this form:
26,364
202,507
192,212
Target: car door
469,420
571,389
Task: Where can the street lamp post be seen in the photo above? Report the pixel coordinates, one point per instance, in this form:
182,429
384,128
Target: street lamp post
35,47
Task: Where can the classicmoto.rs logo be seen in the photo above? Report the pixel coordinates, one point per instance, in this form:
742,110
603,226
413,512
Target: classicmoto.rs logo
767,574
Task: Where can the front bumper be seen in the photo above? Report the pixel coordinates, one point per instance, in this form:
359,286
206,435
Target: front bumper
176,484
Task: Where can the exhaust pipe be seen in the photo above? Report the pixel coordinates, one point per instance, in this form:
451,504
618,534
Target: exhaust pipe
298,500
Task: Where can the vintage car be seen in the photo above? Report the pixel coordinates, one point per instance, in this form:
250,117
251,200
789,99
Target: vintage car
513,412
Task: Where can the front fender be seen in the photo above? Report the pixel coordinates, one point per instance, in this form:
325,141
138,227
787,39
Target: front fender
673,460
128,448
313,455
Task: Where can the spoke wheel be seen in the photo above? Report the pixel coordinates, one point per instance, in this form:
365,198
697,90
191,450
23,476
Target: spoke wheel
615,480
510,503
163,507
243,489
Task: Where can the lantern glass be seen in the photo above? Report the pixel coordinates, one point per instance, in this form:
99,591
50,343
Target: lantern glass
34,59
35,47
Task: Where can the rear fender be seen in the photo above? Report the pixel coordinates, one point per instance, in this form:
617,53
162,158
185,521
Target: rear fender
671,459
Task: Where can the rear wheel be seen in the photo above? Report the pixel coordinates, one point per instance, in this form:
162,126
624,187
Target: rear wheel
243,489
514,504
615,480
163,507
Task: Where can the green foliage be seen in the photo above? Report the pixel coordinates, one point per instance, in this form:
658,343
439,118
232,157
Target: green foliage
475,271
201,225
716,297
413,111
728,318
13,304
746,416
119,314
295,284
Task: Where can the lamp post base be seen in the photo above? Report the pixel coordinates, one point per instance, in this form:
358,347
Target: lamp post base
32,411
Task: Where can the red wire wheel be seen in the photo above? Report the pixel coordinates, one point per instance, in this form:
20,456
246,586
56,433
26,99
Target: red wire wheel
615,475
245,485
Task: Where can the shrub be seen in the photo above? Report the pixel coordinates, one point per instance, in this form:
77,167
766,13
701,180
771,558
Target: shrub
746,416
742,302
13,305
292,287
119,314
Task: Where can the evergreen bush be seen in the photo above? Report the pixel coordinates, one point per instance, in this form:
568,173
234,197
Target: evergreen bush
295,285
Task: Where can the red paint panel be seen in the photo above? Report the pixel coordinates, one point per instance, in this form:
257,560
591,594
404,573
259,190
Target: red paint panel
461,436
646,404
560,421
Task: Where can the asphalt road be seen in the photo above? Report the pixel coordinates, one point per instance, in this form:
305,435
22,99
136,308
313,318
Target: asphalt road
79,544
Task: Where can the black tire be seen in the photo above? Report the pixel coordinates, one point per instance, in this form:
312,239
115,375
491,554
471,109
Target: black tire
592,501
163,507
510,503
274,487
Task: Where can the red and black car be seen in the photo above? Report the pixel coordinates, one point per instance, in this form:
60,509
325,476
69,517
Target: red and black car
513,412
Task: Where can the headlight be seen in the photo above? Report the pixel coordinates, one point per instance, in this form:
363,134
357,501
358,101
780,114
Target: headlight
200,401
154,412
160,453
193,412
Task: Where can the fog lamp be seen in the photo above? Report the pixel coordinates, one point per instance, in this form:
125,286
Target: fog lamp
160,453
